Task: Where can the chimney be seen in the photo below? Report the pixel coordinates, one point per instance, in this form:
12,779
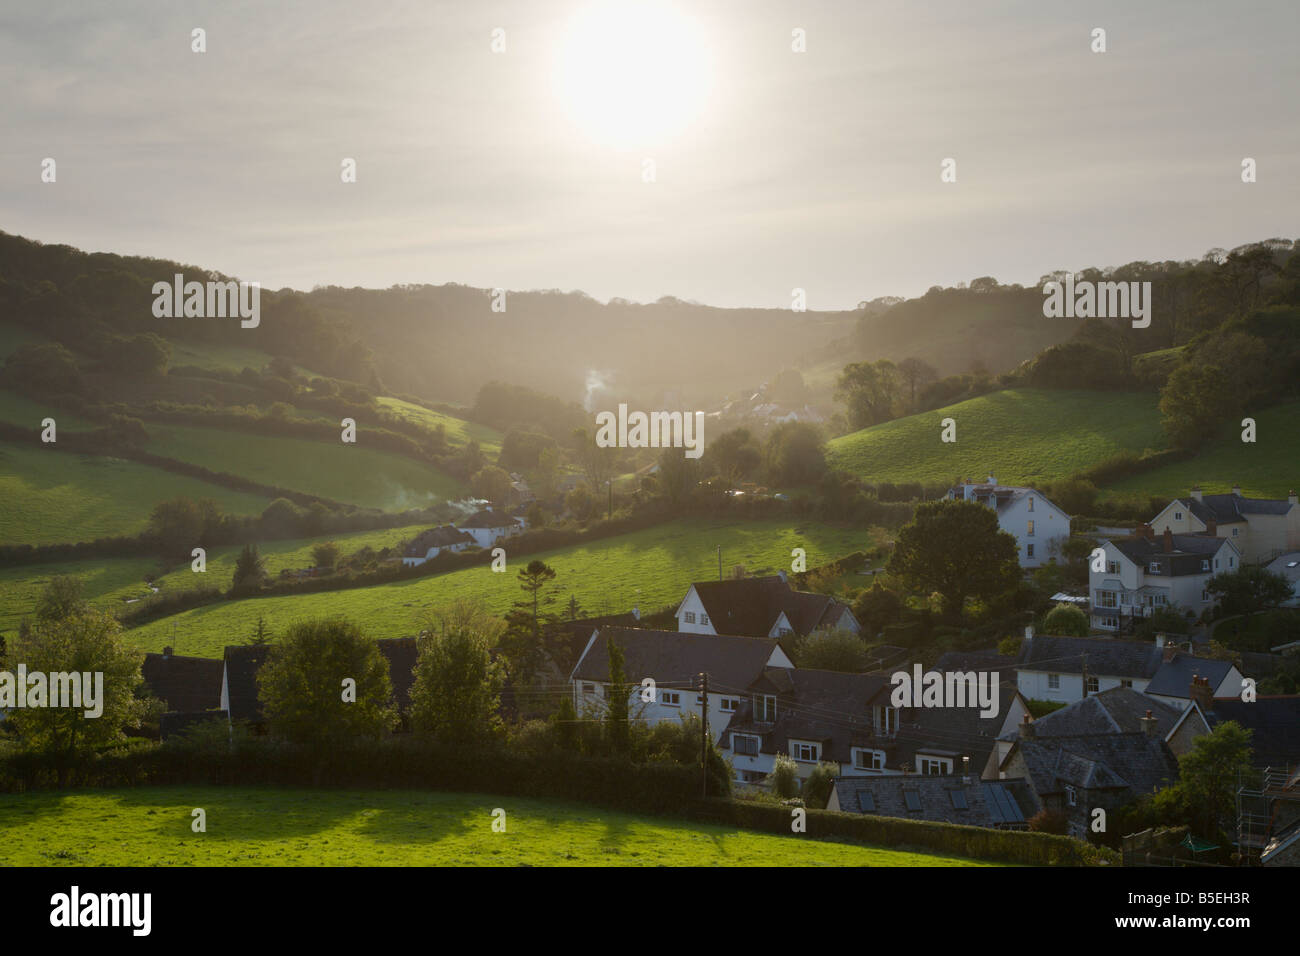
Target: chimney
1171,650
1027,727
1291,497
965,770
1201,694
992,480
1236,490
1196,493
1145,530
1149,725
1169,541
167,652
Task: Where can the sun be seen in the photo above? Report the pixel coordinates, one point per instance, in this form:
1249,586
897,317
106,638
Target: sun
633,72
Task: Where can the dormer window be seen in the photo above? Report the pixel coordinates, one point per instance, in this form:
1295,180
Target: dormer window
765,708
1154,568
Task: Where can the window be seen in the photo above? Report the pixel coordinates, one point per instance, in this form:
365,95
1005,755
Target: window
1205,596
1031,507
868,759
958,799
690,617
783,632
765,708
1029,550
588,689
1126,683
886,721
670,698
1053,681
1154,567
704,619
1178,516
1205,564
728,705
866,802
1106,599
1232,562
913,799
1112,567
1071,796
933,766
1216,564
1234,531
805,752
744,746
1030,530
1124,598
1092,685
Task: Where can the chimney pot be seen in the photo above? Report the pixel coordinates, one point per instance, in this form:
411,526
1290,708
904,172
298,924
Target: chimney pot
1291,497
1196,493
1149,725
1201,693
1236,490
1027,727
1168,541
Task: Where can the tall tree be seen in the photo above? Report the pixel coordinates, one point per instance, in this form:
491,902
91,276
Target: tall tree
456,697
916,373
249,570
530,635
617,728
868,391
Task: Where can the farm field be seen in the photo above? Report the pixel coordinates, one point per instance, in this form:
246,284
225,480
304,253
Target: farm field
19,410
108,582
650,568
459,431
1268,468
54,497
1021,436
349,473
248,826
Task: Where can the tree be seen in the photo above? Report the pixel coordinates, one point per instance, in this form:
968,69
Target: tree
530,633
83,641
789,388
831,650
261,634
182,524
875,608
868,391
734,455
1249,589
916,373
616,704
794,454
492,483
249,570
817,788
456,697
325,555
784,777
678,475
1195,400
597,463
1208,776
62,597
957,549
304,685
1066,620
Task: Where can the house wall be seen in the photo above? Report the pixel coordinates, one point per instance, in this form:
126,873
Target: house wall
1051,529
1230,686
1184,737
658,710
1187,591
486,537
1033,685
693,605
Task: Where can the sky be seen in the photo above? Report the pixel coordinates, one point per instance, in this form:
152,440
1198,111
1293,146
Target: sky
525,167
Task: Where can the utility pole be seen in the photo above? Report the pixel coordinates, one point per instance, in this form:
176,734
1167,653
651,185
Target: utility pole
611,498
704,736
1085,675
719,562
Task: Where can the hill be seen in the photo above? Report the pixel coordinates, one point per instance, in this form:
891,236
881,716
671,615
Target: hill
1018,435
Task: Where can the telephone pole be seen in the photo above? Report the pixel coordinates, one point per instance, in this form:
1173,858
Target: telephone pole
719,562
1085,675
704,735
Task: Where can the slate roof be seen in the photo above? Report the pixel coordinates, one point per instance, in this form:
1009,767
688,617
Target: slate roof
989,660
751,606
489,519
1174,677
184,683
1130,761
1001,497
1116,711
439,537
1106,657
1275,722
1189,550
1230,509
952,731
828,707
1003,804
676,658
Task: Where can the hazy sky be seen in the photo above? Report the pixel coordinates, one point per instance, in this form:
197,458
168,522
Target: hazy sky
817,170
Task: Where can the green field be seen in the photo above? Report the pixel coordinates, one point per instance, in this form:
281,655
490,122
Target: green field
52,496
349,473
109,582
1021,436
151,826
650,568
1268,468
18,410
459,431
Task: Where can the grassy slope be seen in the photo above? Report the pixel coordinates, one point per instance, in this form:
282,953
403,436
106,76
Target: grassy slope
1269,468
54,496
459,431
109,582
150,826
652,568
1018,435
16,409
350,473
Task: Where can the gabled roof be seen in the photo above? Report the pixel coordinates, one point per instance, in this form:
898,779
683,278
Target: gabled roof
1131,761
751,606
489,519
1106,657
955,732
1231,509
980,803
1189,550
440,537
1274,721
1174,677
1001,497
675,659
988,660
827,707
1119,710
186,684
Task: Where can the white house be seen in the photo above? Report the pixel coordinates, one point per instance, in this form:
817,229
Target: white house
1039,527
487,527
429,544
1261,528
1144,572
663,669
759,607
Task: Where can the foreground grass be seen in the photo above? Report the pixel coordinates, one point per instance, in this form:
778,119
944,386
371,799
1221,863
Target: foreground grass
1021,436
652,568
151,826
52,496
350,473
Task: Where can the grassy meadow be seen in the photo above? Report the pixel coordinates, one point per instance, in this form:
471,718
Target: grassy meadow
459,431
151,826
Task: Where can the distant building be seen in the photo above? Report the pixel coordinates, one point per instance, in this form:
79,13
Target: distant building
760,607
1039,527
429,544
1261,528
487,527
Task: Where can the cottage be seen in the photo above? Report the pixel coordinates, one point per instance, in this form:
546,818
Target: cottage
1039,527
1261,528
487,527
429,544
759,607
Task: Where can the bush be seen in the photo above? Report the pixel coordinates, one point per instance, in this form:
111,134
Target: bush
784,776
817,788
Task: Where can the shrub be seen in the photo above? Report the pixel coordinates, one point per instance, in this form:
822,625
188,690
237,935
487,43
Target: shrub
784,776
817,788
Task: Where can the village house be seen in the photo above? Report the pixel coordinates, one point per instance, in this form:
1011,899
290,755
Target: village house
1145,571
487,527
1039,527
674,662
427,545
760,607
1122,710
1273,721
1261,528
189,686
